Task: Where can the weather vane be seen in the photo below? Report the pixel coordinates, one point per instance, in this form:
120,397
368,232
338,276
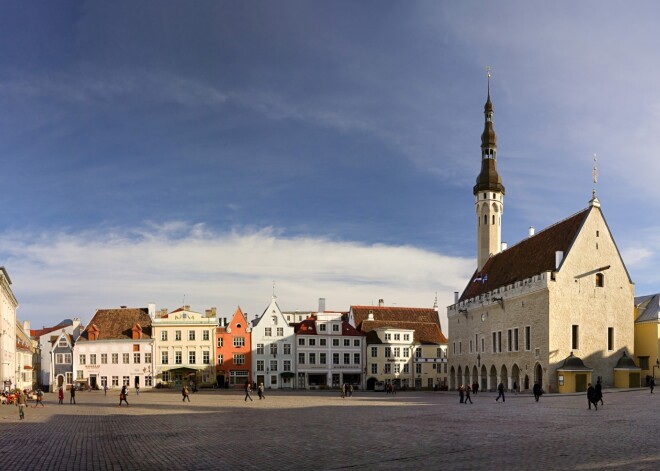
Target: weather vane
595,175
488,74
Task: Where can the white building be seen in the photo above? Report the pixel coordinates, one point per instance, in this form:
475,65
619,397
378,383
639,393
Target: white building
330,352
115,349
273,354
185,347
8,306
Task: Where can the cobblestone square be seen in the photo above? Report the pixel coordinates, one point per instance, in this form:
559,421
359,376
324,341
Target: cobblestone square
320,430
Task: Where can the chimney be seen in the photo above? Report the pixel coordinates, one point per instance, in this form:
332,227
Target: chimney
455,297
559,257
321,304
211,312
371,315
26,327
186,307
225,323
381,303
504,246
152,310
531,231
162,312
122,307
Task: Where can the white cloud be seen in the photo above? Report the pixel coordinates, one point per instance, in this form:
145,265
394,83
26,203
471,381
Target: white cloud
62,275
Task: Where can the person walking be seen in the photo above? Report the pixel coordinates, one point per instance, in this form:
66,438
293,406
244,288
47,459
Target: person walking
350,390
60,395
137,389
343,390
21,403
185,394
123,395
105,388
515,387
40,398
248,392
467,395
591,397
500,392
260,391
73,395
599,391
652,384
461,393
537,391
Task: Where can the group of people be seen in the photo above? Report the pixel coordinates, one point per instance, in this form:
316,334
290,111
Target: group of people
347,390
595,394
260,391
464,392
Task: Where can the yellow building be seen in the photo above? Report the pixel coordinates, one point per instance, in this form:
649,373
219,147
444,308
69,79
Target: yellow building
647,335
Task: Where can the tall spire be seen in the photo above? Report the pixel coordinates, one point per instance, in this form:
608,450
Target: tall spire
594,200
488,179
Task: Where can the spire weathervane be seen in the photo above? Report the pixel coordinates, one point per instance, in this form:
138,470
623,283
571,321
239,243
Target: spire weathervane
488,74
595,175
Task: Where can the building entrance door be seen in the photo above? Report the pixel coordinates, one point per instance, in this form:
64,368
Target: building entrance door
92,381
580,382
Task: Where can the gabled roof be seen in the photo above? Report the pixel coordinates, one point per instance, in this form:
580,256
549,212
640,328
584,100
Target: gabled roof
56,338
47,330
527,258
426,333
386,313
648,308
116,324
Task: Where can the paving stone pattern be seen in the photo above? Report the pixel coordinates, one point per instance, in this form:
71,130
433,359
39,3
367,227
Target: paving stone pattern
320,430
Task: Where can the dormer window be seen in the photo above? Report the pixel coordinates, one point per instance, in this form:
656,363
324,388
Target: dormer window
62,342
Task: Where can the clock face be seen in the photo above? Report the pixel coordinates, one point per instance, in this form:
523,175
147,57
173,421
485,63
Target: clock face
483,317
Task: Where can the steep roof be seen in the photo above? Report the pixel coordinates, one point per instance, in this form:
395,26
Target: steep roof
393,314
426,333
648,308
527,258
116,324
47,330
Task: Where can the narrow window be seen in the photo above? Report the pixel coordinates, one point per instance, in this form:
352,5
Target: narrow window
600,280
528,338
494,342
610,338
499,341
485,219
575,337
493,219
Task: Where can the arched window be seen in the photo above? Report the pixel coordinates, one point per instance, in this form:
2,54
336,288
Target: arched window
485,219
600,280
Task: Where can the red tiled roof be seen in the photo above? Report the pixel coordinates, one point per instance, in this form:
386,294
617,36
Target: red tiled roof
424,332
404,314
529,257
117,323
308,327
47,330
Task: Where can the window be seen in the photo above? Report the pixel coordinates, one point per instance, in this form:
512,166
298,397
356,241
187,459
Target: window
147,358
287,349
335,327
644,363
221,359
610,338
397,352
575,331
301,358
388,368
528,338
286,365
148,381
418,352
335,342
220,342
125,358
509,346
192,357
356,342
79,374
104,358
62,342
177,335
494,342
406,352
104,380
68,358
388,352
460,347
323,359
312,358
126,381
205,335
115,358
239,342
206,357
356,358
82,359
115,381
301,341
347,358
322,327
312,342
397,336
260,349
322,342
335,358
280,331
600,280
273,349
273,367
260,365
268,332
374,368
499,341
274,320
397,368
388,336
136,358
406,337
239,359
59,358
515,339
191,335
136,347
178,358
406,368
418,368
163,336
483,344
347,342
374,352
164,358
166,376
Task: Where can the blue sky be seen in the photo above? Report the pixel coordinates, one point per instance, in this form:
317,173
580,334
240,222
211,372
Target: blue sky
156,150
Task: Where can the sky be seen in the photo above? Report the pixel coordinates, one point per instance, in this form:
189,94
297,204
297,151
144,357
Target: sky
215,153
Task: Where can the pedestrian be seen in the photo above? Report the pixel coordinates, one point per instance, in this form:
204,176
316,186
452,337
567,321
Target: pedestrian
105,388
343,390
248,392
123,395
461,393
40,398
537,391
184,393
60,395
137,389
500,392
393,389
652,384
591,397
515,387
467,395
260,391
21,403
599,391
350,390
388,388
194,387
73,395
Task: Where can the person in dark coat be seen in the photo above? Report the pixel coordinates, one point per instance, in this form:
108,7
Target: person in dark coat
500,392
599,392
248,392
461,392
73,395
467,395
651,385
537,391
591,397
